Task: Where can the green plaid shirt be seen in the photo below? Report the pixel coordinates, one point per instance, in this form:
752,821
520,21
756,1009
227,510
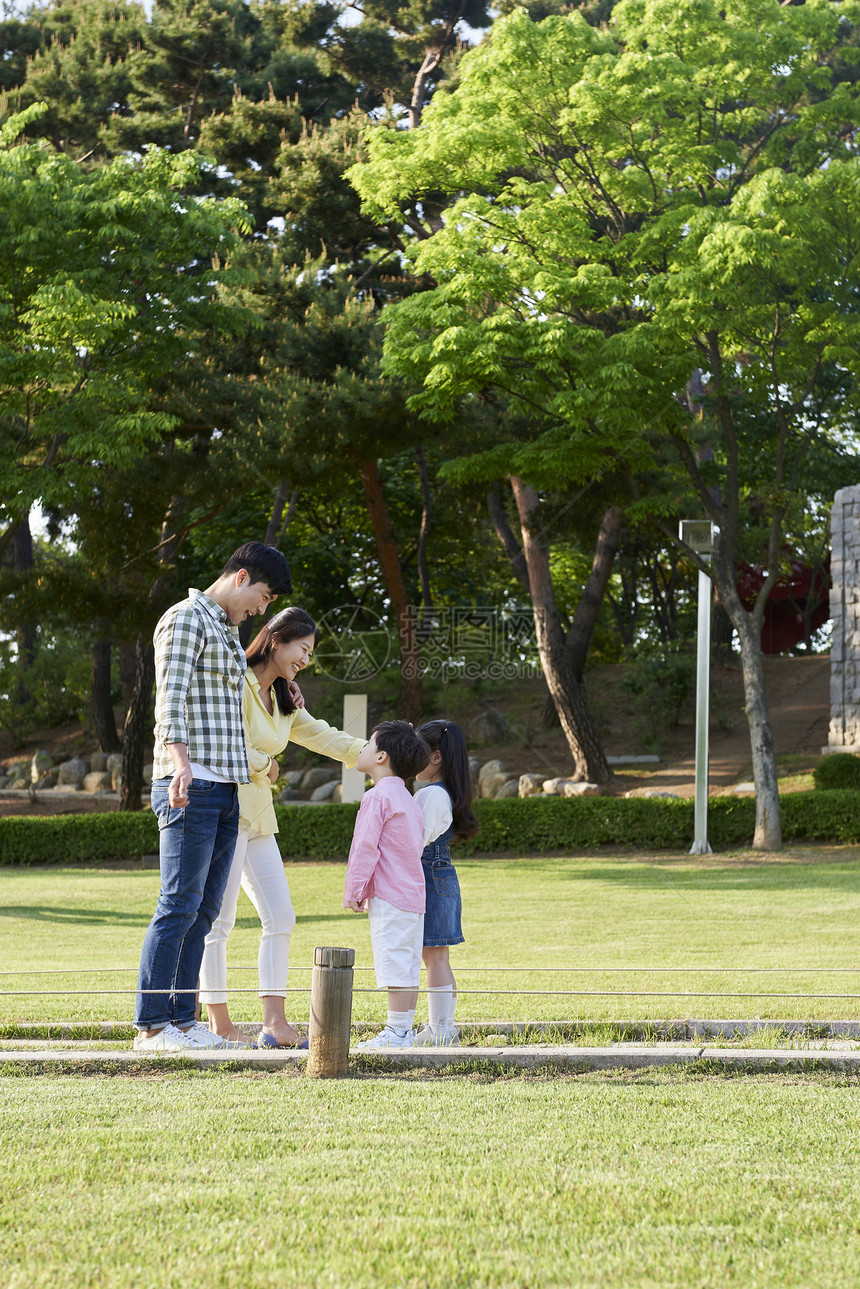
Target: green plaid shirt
199,672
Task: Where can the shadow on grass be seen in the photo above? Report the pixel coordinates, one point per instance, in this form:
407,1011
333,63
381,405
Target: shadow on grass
98,917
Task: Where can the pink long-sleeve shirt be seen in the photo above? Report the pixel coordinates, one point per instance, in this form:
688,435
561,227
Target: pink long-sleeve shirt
385,855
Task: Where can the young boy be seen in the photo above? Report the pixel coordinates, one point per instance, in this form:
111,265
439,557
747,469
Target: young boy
384,873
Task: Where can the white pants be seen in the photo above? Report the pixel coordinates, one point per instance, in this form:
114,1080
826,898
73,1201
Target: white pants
259,870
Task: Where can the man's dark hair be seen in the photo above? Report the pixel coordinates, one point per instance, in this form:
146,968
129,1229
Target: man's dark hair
406,751
262,564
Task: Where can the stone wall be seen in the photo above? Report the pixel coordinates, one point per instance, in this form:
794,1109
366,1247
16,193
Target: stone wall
845,611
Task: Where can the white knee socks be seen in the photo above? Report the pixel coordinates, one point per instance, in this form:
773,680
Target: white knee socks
401,1021
441,1003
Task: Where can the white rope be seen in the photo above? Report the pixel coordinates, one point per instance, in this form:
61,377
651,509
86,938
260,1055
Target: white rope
483,993
461,970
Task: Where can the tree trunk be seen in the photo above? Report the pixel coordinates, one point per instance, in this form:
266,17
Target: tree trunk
138,725
768,830
102,706
506,535
275,529
582,628
424,534
138,719
25,633
567,693
768,827
409,702
581,631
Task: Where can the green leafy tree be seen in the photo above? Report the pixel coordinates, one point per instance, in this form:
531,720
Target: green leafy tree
676,195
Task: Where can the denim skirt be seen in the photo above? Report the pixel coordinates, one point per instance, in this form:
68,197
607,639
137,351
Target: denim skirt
442,912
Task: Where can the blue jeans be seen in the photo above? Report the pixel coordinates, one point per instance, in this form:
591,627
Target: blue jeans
196,844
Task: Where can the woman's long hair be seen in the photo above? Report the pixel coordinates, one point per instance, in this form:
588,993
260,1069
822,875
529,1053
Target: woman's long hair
447,738
289,624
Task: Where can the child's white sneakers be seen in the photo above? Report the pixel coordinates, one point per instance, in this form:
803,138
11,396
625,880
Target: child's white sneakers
387,1037
442,1037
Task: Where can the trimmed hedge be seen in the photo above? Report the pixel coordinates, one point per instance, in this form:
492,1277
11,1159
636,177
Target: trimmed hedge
77,839
838,770
509,827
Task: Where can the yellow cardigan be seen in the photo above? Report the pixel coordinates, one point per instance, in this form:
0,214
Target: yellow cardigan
265,737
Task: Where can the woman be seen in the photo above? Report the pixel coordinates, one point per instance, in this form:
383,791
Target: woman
275,657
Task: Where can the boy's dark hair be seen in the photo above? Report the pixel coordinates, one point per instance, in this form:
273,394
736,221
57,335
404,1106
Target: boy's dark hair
262,564
406,751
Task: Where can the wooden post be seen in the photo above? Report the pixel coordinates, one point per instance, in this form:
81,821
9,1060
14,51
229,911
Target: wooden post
354,723
331,1013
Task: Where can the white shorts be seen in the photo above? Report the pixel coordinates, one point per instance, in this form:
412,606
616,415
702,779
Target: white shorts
397,937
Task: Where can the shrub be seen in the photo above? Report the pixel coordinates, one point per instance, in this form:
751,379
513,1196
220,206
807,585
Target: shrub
77,839
839,771
513,827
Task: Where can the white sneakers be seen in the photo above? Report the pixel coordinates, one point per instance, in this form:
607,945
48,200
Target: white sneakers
171,1039
429,1037
388,1037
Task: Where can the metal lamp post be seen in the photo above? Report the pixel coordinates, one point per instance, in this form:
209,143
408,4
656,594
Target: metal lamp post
701,536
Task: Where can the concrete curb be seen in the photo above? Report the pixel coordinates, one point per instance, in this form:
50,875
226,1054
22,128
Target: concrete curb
646,1031
573,1059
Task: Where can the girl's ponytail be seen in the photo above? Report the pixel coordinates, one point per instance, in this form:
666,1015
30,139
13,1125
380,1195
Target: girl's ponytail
447,738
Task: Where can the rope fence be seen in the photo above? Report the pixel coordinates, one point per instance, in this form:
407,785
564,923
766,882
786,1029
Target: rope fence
484,992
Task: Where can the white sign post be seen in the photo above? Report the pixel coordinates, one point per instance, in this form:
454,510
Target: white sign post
354,723
701,535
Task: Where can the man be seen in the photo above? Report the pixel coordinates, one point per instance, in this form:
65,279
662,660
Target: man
199,760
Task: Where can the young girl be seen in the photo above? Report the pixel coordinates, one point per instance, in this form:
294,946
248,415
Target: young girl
282,649
444,792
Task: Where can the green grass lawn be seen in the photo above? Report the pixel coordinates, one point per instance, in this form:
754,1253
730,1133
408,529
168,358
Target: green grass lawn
175,1179
602,916
250,1180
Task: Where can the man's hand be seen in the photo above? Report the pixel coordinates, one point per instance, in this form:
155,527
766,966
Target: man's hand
296,694
177,789
357,906
274,771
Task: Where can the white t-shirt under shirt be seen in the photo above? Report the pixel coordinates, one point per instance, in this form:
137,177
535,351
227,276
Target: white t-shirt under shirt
436,805
203,772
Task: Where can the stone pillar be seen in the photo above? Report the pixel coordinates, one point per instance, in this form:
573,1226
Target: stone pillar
844,733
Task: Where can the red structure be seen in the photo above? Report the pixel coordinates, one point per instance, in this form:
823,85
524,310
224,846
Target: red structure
797,605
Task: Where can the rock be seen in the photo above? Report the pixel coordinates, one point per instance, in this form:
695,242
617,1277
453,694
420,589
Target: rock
316,777
324,791
497,1040
48,780
337,795
488,727
511,788
289,794
148,771
19,770
492,784
115,779
41,763
21,782
98,761
71,773
553,787
474,768
5,781
293,778
530,785
488,771
97,781
580,789
744,787
114,763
